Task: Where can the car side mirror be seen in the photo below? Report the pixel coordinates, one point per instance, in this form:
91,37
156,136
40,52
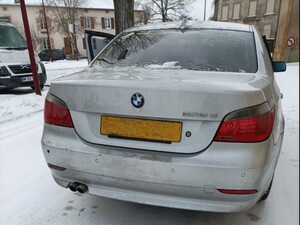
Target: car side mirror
279,66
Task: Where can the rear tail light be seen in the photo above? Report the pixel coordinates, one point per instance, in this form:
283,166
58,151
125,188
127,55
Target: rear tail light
248,125
56,112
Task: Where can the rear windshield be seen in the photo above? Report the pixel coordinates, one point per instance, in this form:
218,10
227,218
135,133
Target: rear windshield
208,50
11,38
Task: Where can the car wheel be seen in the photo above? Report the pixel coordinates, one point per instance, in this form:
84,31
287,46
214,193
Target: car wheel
41,86
266,194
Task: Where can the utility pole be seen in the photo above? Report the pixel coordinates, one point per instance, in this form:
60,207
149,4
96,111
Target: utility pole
36,82
46,24
204,9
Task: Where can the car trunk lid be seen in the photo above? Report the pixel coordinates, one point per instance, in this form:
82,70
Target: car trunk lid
196,100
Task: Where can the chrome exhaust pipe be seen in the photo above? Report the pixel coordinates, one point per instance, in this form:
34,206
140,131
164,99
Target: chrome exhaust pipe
82,188
73,186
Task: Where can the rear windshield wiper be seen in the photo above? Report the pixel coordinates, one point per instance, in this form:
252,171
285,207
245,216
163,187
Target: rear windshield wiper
104,60
121,57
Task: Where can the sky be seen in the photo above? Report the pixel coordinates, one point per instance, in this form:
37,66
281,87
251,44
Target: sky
197,8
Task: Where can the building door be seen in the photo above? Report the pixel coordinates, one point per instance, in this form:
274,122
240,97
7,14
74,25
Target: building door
68,47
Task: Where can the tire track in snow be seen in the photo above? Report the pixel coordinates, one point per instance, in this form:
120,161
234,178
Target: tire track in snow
9,129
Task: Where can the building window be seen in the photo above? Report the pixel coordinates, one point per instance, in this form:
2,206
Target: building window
45,43
43,24
87,22
267,30
252,8
236,11
107,23
224,13
270,7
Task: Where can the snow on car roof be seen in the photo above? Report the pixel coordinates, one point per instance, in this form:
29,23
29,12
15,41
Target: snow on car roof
194,25
6,24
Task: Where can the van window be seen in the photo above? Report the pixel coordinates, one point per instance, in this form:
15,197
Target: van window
11,38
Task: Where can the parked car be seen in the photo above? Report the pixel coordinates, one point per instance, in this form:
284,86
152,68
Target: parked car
15,67
184,115
57,54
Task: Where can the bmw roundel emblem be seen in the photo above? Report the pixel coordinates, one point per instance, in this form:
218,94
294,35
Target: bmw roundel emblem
137,100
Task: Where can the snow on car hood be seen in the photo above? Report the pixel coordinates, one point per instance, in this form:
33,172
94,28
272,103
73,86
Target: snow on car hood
15,56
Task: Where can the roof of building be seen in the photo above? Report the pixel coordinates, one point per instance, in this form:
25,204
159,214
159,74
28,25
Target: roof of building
92,4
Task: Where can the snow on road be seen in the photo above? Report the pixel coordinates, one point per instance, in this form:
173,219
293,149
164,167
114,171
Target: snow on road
22,101
29,195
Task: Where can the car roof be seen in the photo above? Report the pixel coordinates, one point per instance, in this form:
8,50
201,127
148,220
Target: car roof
193,24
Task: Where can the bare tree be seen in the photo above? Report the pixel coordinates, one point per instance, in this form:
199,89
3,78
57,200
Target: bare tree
64,13
167,10
142,14
124,14
215,4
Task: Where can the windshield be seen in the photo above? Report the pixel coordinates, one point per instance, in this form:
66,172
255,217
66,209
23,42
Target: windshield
10,38
208,50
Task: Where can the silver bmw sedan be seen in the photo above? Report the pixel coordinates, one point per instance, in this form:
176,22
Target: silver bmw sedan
183,115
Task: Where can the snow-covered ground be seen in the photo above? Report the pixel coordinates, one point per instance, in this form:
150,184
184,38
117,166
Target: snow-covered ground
22,101
28,194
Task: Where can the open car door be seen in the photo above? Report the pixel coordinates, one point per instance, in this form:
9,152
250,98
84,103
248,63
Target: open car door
267,46
278,66
95,42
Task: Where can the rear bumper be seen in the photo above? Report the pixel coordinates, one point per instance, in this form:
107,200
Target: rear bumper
205,198
172,180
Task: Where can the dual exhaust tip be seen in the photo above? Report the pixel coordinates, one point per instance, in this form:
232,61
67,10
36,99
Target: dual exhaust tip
75,186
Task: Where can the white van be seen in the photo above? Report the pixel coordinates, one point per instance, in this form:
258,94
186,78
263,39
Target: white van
15,67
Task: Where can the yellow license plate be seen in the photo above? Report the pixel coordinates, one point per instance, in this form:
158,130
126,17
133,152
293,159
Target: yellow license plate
154,130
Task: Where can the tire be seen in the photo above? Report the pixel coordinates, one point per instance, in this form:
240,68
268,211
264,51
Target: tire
267,193
41,86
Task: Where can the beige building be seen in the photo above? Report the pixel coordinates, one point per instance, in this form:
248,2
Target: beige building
89,18
287,38
276,19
